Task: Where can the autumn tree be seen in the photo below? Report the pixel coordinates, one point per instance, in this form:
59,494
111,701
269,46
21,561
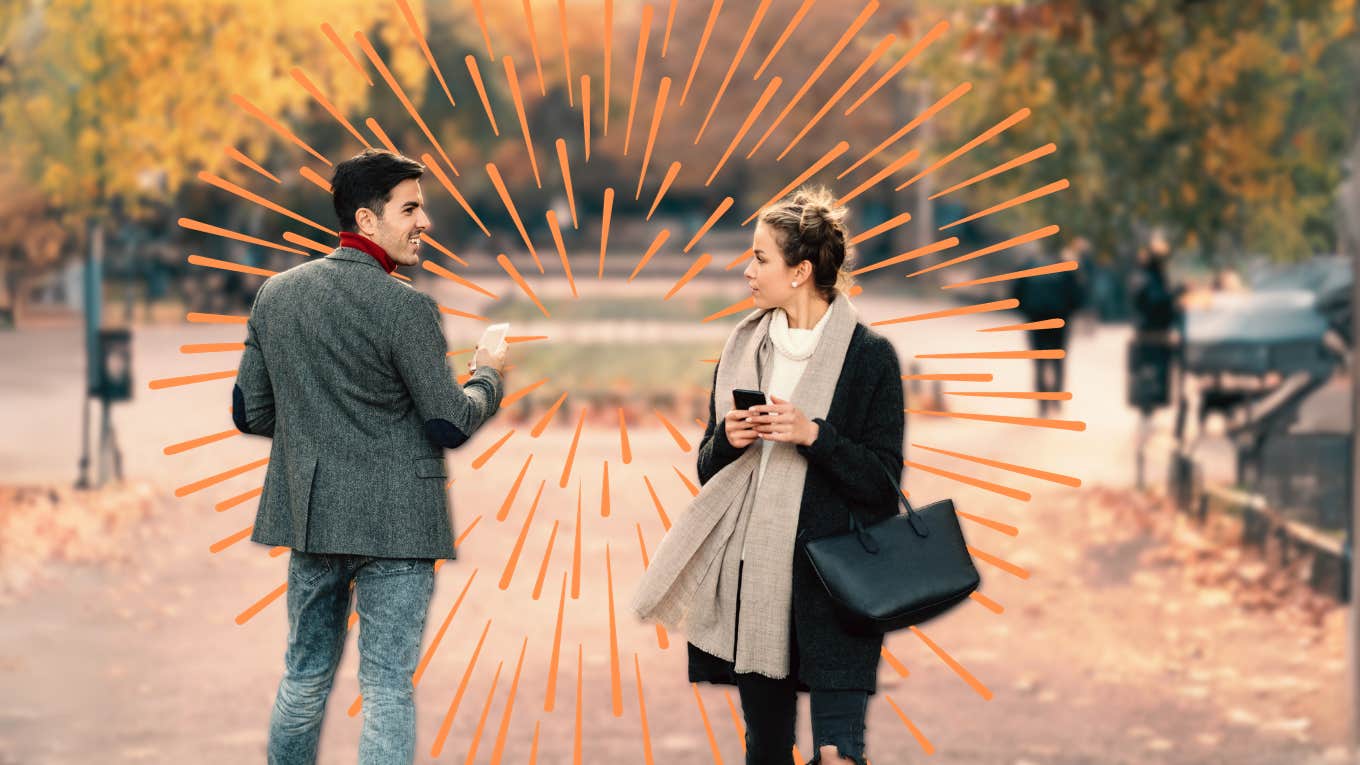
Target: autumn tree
1225,122
111,108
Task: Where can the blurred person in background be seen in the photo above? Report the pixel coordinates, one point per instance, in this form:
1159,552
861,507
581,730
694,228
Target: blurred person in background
1057,295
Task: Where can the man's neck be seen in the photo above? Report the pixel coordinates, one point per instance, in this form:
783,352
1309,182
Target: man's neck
363,243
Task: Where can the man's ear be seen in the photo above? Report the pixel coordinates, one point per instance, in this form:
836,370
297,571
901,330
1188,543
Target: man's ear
366,221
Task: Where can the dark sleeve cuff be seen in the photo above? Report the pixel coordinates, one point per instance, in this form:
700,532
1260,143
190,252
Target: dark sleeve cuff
722,448
825,444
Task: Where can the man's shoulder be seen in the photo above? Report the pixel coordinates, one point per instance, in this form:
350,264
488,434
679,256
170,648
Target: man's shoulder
288,280
308,281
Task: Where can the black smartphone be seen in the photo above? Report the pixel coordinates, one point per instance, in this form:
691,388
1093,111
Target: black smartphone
745,399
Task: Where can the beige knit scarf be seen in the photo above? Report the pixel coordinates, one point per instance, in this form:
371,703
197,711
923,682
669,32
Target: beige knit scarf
692,579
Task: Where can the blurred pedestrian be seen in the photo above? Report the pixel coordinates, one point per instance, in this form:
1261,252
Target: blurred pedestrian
1055,296
1158,324
1157,313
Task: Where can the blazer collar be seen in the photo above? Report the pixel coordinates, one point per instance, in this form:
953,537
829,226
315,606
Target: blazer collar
354,256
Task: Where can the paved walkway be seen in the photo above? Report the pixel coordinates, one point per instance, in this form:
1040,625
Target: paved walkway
1110,649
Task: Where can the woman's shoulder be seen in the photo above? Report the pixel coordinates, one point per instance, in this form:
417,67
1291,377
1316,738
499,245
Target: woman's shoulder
867,343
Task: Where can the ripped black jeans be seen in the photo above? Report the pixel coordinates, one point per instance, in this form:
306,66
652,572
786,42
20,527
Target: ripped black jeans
771,711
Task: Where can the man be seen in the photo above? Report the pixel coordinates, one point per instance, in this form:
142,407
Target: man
345,368
1052,296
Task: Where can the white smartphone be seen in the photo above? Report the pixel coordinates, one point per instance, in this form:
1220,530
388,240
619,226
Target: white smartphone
494,337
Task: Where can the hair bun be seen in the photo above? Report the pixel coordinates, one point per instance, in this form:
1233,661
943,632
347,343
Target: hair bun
821,219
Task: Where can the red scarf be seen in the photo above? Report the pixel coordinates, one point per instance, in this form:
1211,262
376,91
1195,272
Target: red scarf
360,242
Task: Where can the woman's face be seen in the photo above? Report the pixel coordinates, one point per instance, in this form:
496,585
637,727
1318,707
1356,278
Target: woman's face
768,276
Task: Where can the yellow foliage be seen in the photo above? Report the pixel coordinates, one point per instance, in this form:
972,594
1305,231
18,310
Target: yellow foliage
106,91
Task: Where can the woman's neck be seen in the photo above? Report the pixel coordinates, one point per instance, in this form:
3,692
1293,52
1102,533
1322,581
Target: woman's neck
806,310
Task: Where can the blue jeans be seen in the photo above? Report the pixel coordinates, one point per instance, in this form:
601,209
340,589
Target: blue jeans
392,595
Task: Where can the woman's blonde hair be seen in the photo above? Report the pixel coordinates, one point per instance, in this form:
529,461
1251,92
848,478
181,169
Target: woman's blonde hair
809,225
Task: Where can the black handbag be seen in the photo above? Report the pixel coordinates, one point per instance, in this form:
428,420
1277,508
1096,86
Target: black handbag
899,571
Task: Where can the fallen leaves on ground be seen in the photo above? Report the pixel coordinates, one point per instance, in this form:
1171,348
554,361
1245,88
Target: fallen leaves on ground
43,525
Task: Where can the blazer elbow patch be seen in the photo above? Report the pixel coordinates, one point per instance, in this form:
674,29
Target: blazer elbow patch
238,409
445,433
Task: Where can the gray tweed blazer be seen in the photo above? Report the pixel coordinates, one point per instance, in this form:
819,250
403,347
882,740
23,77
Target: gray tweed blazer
346,369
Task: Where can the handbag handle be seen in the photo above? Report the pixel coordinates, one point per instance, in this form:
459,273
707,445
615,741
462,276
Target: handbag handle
866,538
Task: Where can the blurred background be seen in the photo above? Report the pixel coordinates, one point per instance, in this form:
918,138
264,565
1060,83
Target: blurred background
1113,244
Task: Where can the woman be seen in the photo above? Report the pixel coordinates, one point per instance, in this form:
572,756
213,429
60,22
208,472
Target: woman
732,570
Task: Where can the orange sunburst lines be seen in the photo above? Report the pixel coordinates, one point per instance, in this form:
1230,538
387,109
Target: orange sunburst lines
512,78
227,265
447,183
475,72
302,79
508,574
232,188
666,182
515,276
392,83
713,12
876,178
652,248
606,214
330,34
562,162
816,167
514,490
238,156
1027,157
854,77
444,726
1031,236
732,68
547,556
751,117
276,126
556,232
986,135
1038,422
995,305
713,218
920,119
658,111
639,61
934,34
845,38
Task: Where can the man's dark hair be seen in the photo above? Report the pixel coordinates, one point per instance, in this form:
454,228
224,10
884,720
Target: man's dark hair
367,180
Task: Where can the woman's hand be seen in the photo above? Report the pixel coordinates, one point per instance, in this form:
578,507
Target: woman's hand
782,421
741,433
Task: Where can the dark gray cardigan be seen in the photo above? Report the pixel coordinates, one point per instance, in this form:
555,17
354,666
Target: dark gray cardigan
861,435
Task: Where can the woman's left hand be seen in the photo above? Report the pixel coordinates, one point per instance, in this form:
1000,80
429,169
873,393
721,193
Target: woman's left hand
782,421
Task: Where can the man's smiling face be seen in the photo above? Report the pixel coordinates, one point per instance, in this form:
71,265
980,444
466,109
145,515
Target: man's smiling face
402,221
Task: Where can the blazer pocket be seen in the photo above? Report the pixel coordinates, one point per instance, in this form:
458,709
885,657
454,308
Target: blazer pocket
431,468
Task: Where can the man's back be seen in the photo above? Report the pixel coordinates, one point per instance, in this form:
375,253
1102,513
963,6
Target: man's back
363,403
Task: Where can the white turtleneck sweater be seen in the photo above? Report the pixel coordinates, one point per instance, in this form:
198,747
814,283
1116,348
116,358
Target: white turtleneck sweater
792,349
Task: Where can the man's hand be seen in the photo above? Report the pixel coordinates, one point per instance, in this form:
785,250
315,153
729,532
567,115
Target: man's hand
486,357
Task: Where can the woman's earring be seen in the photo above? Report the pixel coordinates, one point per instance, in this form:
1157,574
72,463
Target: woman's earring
793,284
